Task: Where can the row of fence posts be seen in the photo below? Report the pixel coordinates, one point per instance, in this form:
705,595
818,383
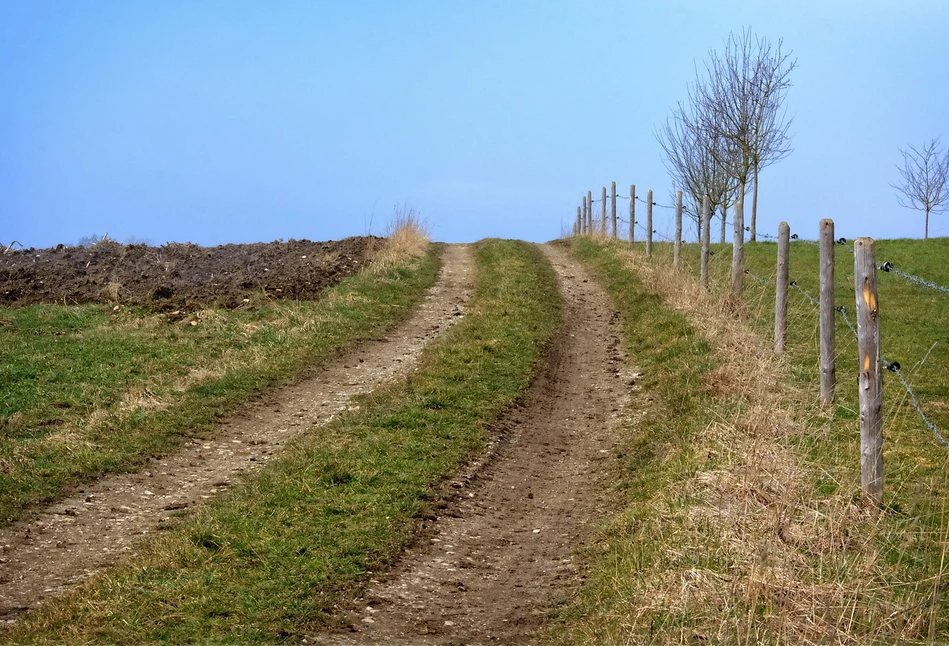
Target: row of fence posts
870,376
584,226
868,321
584,222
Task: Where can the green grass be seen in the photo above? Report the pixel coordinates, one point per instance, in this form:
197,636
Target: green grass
843,575
277,557
88,390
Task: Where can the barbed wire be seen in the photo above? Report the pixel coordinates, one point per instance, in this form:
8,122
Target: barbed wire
894,366
794,284
889,267
842,310
761,281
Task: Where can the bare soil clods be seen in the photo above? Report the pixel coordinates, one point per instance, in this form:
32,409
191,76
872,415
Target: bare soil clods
179,276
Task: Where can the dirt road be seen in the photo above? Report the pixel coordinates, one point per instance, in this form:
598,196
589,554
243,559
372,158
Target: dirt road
501,555
102,524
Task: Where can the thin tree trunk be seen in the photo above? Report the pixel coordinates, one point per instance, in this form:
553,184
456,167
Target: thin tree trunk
724,217
927,225
754,205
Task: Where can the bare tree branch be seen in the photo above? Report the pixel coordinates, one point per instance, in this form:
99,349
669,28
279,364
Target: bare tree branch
924,174
741,101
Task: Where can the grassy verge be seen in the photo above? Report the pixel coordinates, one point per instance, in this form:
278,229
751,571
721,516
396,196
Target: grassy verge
743,521
277,556
88,390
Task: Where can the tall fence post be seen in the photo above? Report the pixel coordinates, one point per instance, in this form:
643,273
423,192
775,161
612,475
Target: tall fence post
677,247
871,373
632,213
782,282
828,370
649,223
590,213
583,222
576,226
613,208
603,215
706,231
738,250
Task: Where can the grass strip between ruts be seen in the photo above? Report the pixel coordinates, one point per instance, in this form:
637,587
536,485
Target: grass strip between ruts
89,390
275,557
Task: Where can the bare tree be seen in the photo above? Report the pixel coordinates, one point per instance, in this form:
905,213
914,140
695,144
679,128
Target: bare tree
741,102
924,173
692,161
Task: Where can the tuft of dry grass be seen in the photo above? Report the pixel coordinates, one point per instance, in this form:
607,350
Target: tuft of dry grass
406,238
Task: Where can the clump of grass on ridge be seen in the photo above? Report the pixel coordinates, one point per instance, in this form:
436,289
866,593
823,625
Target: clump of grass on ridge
406,237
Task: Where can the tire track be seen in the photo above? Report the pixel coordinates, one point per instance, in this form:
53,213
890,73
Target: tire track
102,523
502,554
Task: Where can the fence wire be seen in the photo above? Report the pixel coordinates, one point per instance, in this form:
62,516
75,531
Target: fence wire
894,367
889,267
813,300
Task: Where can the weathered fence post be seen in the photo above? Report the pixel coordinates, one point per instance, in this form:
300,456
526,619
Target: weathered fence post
781,289
871,373
649,223
632,213
706,232
828,370
590,213
677,247
603,215
613,208
576,226
583,221
738,250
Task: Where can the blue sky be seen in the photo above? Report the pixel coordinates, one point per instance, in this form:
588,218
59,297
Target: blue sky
215,122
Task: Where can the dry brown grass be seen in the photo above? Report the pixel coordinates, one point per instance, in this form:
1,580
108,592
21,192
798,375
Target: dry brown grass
784,565
406,238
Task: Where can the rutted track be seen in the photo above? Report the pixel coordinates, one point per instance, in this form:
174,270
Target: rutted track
501,555
101,524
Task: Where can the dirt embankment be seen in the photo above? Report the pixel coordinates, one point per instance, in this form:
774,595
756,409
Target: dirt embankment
180,276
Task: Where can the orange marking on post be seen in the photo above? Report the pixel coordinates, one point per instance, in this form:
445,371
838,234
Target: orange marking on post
866,363
868,296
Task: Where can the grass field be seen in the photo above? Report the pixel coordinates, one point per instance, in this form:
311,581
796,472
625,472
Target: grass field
743,520
275,555
92,389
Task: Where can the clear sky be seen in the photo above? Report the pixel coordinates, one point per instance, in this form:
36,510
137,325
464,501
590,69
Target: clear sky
232,121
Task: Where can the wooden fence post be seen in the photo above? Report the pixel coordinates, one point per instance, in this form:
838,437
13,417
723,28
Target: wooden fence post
632,213
706,231
649,223
613,208
583,221
782,283
828,370
576,226
871,373
738,250
677,247
590,213
603,216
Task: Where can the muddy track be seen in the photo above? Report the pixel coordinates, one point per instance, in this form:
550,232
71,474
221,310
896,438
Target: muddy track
501,554
103,523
